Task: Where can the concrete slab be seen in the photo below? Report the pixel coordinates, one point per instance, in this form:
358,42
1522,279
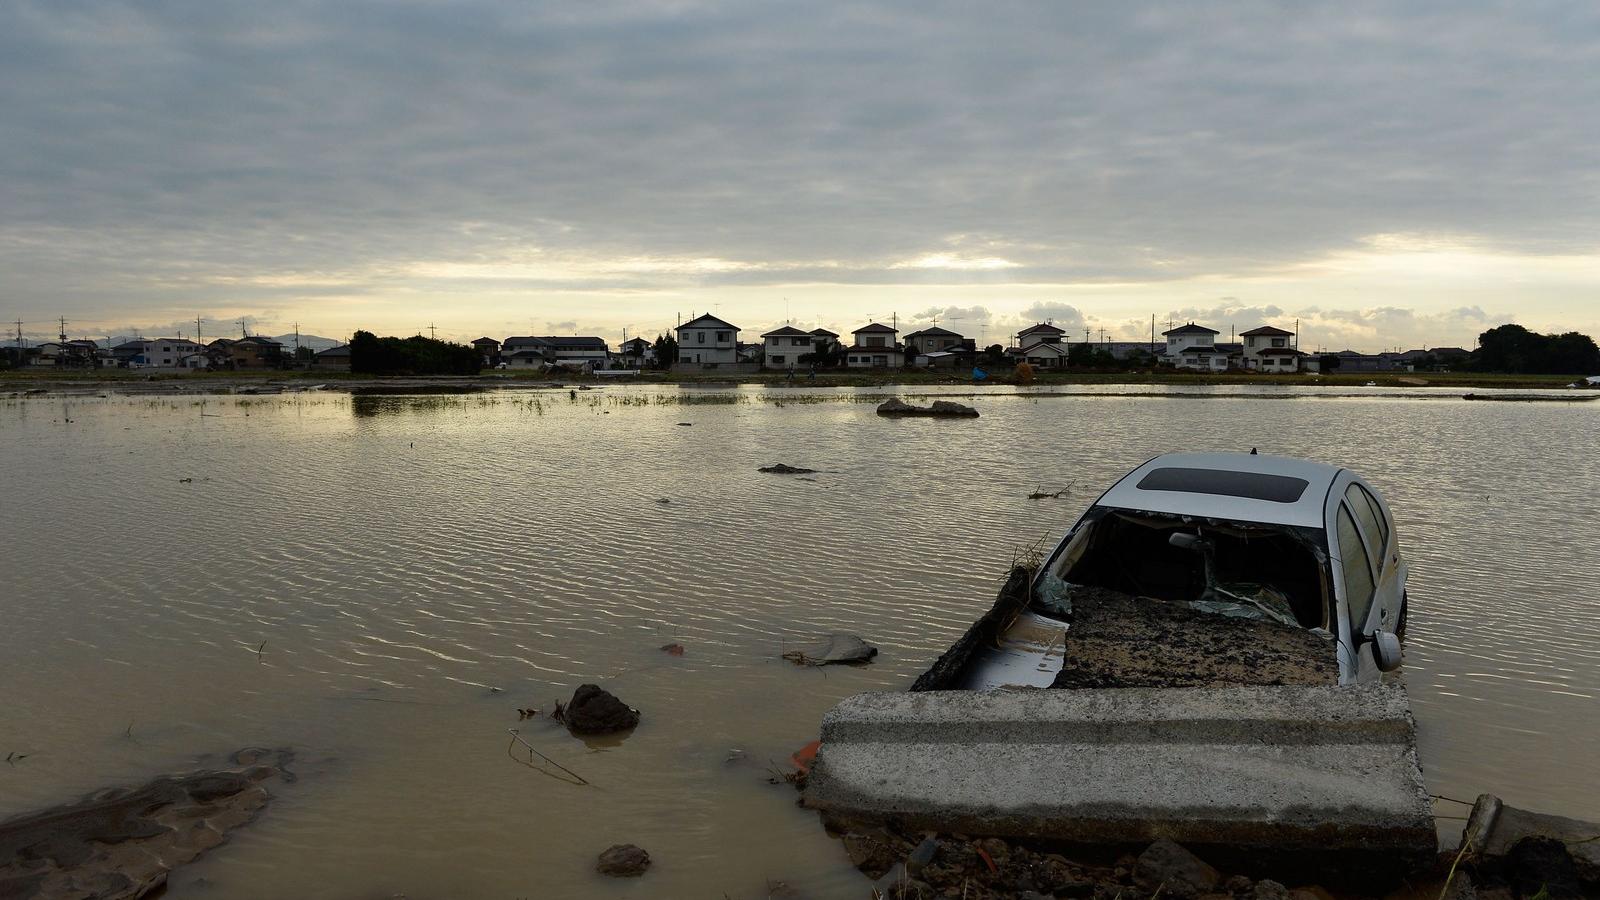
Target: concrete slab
1279,768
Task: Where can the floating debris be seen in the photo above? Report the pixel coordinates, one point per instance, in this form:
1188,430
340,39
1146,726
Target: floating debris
783,469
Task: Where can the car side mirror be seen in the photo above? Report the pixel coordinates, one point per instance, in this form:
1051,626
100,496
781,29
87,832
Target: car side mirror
1185,541
1386,650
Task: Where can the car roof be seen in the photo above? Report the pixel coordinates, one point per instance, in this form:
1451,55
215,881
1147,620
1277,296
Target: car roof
1240,487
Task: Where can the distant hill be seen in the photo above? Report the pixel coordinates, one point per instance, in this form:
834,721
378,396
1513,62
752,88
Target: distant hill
308,340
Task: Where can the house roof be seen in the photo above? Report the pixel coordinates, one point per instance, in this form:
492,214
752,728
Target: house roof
1057,349
1192,328
1266,331
787,331
823,332
874,328
638,340
1042,326
861,349
573,342
341,350
935,331
485,340
258,339
1280,351
527,353
1451,351
706,321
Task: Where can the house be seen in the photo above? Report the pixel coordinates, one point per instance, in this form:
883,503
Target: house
578,351
487,347
1045,354
1257,341
169,353
637,353
1204,357
255,352
1189,336
783,347
874,347
129,353
930,340
333,359
826,341
1279,359
707,341
552,350
1042,333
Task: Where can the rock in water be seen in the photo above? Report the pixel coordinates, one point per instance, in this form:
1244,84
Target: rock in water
594,710
782,469
832,648
622,860
1175,871
894,406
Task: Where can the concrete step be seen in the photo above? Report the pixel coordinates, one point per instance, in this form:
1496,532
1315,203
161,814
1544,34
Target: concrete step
1274,768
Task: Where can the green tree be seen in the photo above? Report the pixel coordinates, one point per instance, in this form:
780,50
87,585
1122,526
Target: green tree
372,355
666,351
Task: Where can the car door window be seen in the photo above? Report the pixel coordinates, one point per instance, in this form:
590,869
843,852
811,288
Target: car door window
1357,569
1370,514
1369,517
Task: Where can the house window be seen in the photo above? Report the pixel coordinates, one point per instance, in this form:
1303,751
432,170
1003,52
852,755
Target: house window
724,336
799,342
701,335
874,342
1277,342
778,360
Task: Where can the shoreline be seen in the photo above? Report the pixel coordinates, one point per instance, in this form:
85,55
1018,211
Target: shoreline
14,382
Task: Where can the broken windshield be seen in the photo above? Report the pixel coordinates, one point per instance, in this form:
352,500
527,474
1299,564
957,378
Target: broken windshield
1267,572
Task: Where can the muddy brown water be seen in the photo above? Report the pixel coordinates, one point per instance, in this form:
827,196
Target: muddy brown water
351,577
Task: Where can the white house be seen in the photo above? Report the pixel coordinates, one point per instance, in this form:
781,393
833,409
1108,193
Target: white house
554,350
637,352
1197,338
1042,333
874,348
1277,359
782,348
1042,355
1257,341
1206,358
169,353
708,341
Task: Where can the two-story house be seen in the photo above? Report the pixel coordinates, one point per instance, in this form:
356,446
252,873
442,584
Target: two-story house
1194,346
931,340
707,341
637,353
874,347
1263,348
781,348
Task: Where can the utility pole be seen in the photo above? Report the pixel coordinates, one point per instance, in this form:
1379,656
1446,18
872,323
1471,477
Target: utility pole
242,330
19,333
63,329
198,339
433,333
297,339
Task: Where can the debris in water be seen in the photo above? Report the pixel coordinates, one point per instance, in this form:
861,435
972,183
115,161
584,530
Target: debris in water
672,649
831,648
525,713
685,424
783,469
1039,494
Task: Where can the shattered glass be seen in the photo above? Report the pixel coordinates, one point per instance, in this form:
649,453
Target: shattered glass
1247,600
1053,595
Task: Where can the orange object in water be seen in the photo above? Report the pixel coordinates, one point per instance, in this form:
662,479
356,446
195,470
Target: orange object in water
805,756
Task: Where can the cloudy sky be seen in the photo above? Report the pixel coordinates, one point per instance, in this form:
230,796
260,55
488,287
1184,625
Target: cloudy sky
1391,175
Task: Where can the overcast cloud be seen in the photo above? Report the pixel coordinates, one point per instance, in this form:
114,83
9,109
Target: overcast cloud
1394,174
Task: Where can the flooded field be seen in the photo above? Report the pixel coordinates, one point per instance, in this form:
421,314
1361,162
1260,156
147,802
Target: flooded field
379,582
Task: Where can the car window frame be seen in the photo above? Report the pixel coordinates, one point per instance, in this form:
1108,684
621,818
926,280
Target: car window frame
1385,527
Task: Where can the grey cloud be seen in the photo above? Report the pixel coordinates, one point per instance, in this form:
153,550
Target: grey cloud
1062,315
175,141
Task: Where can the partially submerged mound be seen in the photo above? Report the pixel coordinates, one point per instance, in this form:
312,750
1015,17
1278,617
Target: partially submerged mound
124,842
785,469
894,406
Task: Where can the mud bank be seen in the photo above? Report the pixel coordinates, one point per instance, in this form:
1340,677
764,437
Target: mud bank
124,842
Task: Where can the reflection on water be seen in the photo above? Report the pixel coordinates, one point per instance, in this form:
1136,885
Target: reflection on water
381,581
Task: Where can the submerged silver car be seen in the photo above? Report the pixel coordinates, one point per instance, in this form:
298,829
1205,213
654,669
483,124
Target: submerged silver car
1286,540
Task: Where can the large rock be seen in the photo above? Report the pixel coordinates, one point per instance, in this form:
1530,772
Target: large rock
1166,867
894,406
594,710
623,861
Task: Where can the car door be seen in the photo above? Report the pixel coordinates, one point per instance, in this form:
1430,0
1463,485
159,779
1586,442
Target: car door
1378,533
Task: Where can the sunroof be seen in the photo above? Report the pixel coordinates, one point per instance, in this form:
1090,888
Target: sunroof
1249,485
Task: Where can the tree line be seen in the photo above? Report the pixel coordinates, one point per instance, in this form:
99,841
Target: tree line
373,355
